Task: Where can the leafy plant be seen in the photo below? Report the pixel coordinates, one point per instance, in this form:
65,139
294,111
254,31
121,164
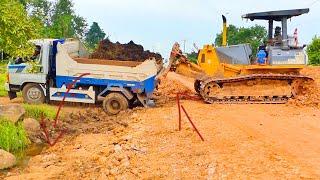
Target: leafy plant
193,57
313,51
36,111
3,92
16,29
64,23
34,67
94,35
12,138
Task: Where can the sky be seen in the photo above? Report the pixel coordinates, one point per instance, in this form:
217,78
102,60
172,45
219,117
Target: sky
157,24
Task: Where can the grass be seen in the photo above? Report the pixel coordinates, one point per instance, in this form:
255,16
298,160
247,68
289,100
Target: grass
13,137
3,92
3,67
36,111
3,70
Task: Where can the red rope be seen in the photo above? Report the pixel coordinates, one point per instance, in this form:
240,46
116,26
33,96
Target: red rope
69,86
43,124
191,97
194,127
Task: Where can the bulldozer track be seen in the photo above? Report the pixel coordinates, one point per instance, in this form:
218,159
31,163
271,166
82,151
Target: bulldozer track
205,91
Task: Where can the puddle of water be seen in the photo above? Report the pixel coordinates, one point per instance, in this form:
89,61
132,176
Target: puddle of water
24,157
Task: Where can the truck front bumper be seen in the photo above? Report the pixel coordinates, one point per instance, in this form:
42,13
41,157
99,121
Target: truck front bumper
11,94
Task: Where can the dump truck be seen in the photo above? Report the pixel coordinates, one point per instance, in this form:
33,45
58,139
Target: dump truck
60,70
227,74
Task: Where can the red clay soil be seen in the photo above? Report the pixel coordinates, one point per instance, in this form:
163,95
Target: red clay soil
124,52
311,90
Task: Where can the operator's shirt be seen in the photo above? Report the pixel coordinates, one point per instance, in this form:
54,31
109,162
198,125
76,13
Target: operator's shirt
261,57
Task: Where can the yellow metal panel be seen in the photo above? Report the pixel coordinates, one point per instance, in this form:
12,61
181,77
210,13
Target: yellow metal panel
208,60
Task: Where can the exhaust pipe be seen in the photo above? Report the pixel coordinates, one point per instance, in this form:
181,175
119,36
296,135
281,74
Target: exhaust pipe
224,32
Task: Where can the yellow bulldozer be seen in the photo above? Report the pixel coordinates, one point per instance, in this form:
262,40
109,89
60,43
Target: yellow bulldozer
227,74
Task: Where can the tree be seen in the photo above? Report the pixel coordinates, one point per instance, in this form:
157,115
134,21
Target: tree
41,10
16,29
94,35
57,18
253,35
79,26
193,56
65,23
313,51
25,3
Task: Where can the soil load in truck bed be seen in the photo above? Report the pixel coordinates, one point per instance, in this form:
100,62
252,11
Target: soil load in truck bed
124,52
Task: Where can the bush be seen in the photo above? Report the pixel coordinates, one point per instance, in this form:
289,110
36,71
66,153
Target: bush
36,111
193,57
314,51
3,92
3,66
12,138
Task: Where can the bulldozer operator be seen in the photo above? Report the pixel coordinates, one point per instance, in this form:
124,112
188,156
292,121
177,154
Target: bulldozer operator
277,36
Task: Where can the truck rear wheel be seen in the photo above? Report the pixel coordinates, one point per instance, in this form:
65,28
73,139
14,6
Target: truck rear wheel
114,103
33,94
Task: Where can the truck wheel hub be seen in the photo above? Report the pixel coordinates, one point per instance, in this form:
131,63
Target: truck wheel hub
115,104
34,93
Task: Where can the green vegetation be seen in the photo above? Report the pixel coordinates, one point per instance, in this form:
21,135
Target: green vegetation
3,65
16,29
253,35
3,92
36,111
193,57
23,20
13,137
56,18
94,35
314,51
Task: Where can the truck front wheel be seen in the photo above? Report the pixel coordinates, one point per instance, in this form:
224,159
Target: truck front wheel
114,103
33,94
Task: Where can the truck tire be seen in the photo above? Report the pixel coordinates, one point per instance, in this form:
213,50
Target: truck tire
114,103
33,94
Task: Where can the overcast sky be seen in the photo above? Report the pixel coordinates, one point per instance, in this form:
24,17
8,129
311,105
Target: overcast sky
157,24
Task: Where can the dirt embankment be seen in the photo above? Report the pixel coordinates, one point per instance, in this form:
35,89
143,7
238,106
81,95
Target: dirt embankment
310,91
125,52
170,86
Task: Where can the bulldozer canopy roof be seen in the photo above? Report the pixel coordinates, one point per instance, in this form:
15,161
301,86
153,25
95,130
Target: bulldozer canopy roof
275,15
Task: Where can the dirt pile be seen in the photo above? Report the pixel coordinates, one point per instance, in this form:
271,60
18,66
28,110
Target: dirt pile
124,52
168,89
309,92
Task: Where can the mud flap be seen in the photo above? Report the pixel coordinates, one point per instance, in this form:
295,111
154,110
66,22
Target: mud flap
12,95
146,102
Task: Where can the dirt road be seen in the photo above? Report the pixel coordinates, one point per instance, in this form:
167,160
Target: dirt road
241,142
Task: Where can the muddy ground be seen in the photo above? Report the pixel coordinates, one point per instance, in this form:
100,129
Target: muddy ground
241,142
